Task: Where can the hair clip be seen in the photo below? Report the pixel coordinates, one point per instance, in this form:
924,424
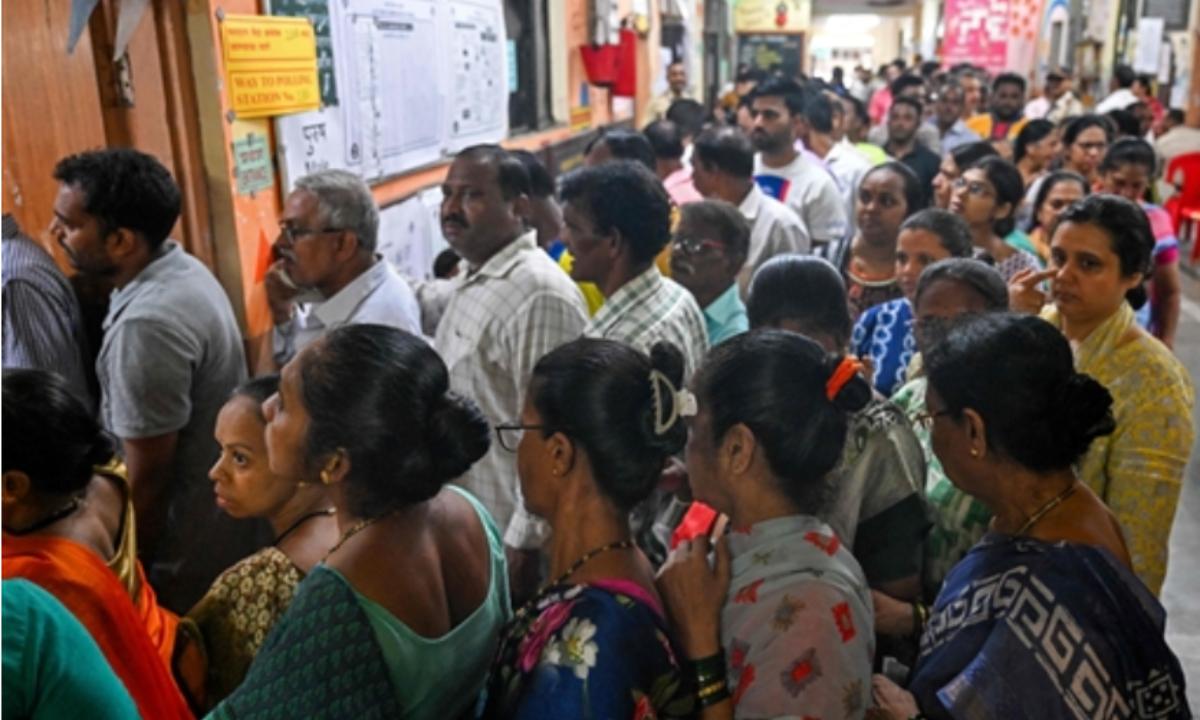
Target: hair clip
683,402
845,371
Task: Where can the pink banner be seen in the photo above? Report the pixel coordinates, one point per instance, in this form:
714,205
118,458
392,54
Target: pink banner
977,33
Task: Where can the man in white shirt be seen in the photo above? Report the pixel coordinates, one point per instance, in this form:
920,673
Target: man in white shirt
785,174
723,169
1122,95
326,271
847,164
512,306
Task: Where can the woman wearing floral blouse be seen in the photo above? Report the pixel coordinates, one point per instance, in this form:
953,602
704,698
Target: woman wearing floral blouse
599,422
782,625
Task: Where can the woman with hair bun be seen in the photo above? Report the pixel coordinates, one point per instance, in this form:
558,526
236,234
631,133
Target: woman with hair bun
1043,617
782,624
69,527
403,614
1100,256
599,422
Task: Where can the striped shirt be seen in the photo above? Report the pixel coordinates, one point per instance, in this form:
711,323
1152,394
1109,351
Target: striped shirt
43,327
499,321
650,308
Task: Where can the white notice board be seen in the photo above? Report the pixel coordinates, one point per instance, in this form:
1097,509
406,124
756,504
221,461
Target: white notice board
417,80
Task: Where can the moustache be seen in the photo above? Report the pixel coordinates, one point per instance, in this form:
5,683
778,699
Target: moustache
459,220
278,253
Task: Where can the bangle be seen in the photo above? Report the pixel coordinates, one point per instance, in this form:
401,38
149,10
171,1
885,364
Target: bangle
713,693
920,617
708,670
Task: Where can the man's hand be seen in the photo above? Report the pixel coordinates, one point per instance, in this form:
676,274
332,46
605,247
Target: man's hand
281,293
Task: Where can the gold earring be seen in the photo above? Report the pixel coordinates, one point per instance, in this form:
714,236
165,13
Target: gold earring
326,478
974,452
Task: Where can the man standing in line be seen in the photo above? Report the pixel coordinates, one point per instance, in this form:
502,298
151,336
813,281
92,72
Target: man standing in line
677,89
171,355
511,307
1004,120
947,118
903,120
723,169
847,164
1121,87
327,273
785,174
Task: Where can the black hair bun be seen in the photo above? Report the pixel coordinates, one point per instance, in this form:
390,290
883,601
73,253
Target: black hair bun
668,360
1084,410
102,450
854,394
458,436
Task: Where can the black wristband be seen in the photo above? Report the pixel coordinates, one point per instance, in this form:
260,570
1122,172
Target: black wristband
709,669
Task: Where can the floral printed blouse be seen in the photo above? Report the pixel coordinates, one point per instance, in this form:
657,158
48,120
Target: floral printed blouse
1138,470
798,625
589,651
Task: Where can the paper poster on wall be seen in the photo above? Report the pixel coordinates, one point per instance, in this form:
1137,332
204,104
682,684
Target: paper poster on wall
270,65
976,31
252,164
317,11
1149,45
416,81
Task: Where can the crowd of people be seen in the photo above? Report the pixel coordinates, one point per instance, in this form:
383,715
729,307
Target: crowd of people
827,401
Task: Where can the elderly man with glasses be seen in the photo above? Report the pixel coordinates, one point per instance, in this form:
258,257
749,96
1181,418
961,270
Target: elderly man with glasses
326,271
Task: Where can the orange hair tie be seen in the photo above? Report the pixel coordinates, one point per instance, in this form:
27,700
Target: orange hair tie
846,369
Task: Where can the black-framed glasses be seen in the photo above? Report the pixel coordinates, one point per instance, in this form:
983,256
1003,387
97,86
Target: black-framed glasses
926,418
509,435
697,246
290,233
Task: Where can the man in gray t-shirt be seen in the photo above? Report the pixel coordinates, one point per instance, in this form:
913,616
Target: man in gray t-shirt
170,357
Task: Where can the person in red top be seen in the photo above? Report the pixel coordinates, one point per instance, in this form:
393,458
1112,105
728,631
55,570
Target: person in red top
69,528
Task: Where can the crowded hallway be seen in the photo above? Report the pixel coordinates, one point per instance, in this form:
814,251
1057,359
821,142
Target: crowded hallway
806,391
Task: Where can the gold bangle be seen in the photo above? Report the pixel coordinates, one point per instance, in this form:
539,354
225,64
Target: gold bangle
713,689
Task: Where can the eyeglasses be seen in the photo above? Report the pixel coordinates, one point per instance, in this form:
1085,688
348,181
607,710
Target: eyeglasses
510,435
290,233
974,187
926,418
697,246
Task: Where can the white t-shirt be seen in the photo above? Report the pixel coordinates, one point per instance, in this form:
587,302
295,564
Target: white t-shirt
810,191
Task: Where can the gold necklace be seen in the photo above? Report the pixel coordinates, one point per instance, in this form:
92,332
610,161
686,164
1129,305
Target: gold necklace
1041,512
617,545
355,529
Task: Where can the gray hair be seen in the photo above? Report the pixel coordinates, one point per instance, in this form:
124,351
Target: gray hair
345,202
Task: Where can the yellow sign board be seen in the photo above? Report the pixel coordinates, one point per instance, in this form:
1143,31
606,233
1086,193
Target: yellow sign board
771,16
270,65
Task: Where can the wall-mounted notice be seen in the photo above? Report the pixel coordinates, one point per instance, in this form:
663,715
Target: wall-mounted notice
417,80
270,65
977,31
252,164
317,11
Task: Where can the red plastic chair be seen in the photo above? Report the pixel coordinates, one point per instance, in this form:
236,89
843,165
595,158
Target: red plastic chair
1184,207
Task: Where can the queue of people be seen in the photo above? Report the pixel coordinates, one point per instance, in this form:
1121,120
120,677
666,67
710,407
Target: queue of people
737,420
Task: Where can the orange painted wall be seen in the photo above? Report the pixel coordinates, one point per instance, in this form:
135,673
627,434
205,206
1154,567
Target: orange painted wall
244,226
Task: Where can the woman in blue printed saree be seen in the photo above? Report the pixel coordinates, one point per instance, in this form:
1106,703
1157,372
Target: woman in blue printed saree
599,422
403,616
1043,618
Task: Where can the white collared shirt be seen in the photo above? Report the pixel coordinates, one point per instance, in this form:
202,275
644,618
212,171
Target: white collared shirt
848,166
774,229
498,323
378,296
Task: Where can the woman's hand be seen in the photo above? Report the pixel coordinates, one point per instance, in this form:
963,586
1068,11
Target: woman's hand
1024,295
694,594
893,617
893,700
